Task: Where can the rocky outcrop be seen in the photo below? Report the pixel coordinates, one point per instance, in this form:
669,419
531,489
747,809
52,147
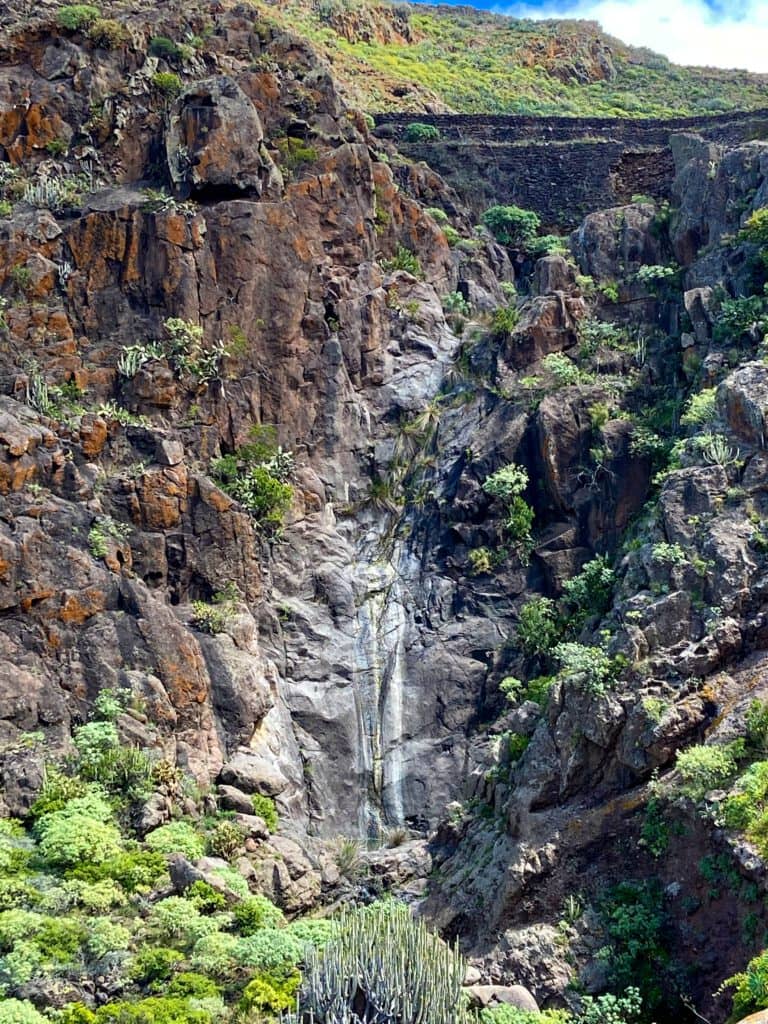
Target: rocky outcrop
215,143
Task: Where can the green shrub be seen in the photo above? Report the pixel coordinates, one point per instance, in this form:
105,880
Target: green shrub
177,919
507,482
705,767
255,913
404,259
264,807
16,925
74,17
81,832
60,938
755,228
590,668
108,34
611,1009
563,369
135,870
176,837
751,987
225,839
519,522
98,896
205,898
505,1013
92,741
20,1011
669,554
456,308
517,744
126,772
316,931
590,592
538,627
105,936
417,131
23,963
701,410
214,954
15,852
56,791
512,225
538,690
162,46
482,560
736,317
104,528
511,688
17,892
154,964
75,1013
270,995
189,985
635,924
154,1010
505,319
295,153
256,487
269,949
756,722
167,82
595,334
548,245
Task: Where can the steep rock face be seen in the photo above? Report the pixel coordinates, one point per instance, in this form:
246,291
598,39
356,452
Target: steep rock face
356,676
288,278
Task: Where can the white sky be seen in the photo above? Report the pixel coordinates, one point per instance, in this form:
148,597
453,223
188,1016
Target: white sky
686,31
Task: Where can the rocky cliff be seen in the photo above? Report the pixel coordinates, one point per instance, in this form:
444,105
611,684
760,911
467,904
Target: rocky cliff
262,381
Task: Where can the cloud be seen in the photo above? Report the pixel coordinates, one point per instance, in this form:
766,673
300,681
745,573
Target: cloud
720,34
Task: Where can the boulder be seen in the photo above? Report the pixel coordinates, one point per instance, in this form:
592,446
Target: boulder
552,274
744,397
215,142
184,874
484,996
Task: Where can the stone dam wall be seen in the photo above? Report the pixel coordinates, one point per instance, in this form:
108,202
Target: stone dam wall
563,168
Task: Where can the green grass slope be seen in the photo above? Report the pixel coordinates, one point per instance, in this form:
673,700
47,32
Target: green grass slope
396,56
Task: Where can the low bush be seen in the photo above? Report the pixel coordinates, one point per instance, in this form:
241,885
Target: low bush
269,995
264,807
176,837
108,34
74,17
162,46
255,913
417,131
589,592
404,259
539,628
751,987
167,83
20,1011
512,225
588,667
269,949
705,767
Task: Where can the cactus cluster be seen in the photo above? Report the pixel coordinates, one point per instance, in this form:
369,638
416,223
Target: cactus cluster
382,967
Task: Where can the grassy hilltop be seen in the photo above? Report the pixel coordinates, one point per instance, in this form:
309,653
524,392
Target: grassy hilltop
398,56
